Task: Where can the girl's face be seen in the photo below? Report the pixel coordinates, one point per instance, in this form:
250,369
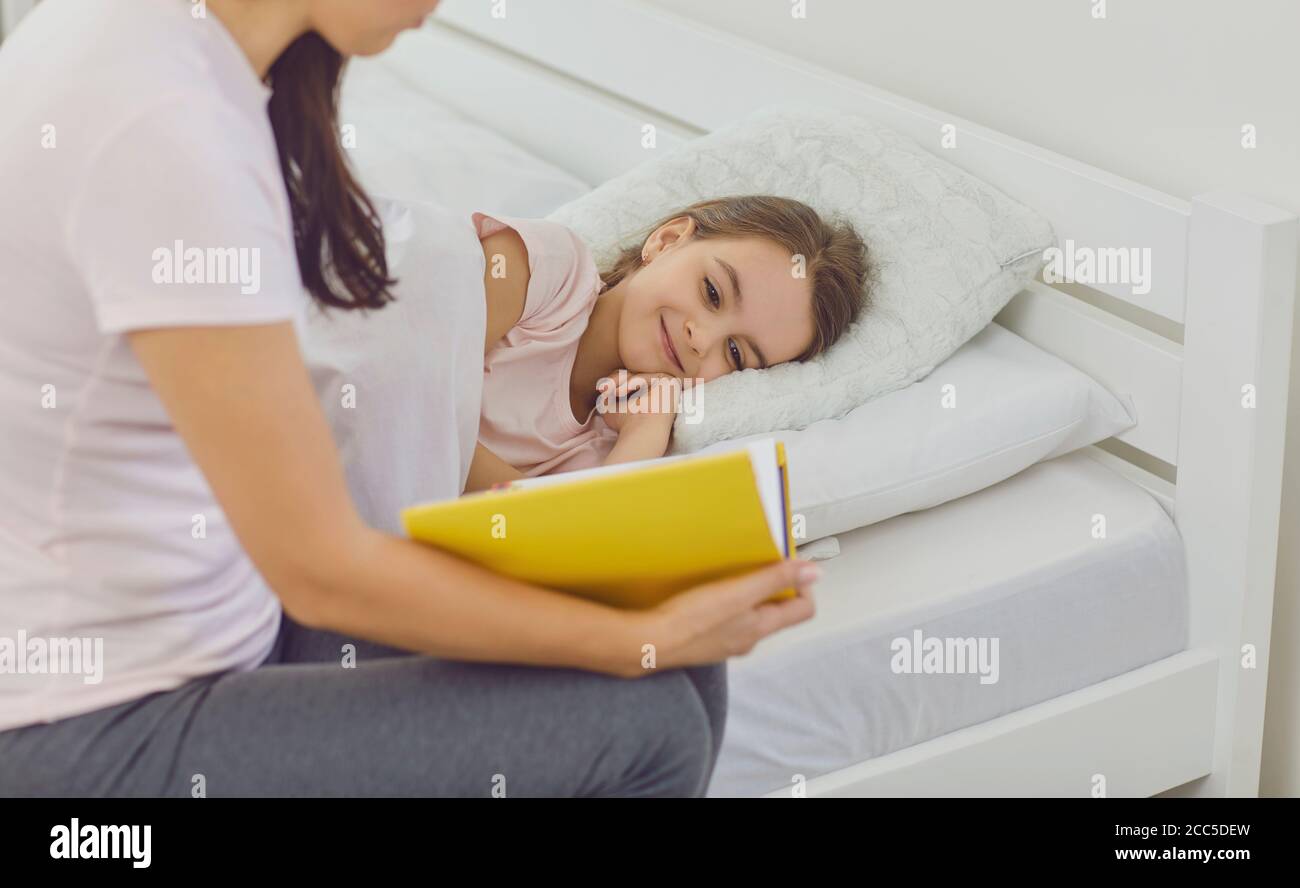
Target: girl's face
366,27
700,309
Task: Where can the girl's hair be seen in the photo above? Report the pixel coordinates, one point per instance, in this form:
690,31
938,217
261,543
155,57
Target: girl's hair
337,232
836,260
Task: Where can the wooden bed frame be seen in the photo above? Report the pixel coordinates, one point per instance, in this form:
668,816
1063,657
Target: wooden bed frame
1224,280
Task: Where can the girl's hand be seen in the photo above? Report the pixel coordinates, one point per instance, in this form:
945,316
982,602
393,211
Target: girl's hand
638,399
724,618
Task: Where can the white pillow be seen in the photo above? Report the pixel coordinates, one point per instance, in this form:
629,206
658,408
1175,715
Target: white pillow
1013,405
409,145
952,252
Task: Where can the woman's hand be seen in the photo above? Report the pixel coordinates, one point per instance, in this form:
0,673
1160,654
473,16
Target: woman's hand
722,619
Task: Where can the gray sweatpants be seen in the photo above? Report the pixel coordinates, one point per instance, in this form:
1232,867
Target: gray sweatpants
398,724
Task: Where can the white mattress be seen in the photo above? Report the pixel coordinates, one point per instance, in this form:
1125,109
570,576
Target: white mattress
1017,562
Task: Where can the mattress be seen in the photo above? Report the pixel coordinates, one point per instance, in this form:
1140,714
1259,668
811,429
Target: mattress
1062,576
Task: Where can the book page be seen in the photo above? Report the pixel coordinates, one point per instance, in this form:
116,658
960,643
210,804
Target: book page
771,489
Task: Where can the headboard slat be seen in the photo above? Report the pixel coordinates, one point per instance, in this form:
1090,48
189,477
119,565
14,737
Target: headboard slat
1125,358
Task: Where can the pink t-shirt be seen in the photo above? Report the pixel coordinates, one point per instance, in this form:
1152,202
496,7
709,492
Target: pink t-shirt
526,417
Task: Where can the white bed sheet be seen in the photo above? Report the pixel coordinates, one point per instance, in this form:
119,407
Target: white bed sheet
1017,562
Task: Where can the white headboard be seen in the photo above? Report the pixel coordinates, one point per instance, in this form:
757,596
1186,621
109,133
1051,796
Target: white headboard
1223,271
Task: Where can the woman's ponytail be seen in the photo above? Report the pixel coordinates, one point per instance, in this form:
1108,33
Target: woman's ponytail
337,232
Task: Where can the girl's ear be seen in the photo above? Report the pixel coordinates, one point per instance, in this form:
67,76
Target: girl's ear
673,232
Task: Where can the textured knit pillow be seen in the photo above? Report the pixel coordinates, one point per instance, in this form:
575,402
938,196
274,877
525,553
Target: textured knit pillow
950,252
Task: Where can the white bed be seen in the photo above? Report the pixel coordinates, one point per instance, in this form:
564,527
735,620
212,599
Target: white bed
1017,562
1119,658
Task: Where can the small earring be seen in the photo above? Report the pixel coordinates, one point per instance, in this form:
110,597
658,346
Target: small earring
644,260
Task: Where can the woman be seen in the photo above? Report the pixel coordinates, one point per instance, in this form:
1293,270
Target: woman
170,486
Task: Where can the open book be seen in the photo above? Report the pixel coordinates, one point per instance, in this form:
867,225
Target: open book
629,535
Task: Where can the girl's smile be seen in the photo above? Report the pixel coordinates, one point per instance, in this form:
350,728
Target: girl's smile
706,308
669,348
729,284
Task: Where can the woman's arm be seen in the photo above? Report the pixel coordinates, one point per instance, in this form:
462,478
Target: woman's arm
242,400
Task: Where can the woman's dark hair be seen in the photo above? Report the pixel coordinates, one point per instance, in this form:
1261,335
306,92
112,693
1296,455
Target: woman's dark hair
337,232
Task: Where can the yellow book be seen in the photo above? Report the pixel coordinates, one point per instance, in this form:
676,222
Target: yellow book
629,535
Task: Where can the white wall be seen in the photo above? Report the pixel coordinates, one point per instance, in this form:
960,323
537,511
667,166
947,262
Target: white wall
10,12
1157,91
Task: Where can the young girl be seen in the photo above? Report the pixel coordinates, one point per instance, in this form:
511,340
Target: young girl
721,286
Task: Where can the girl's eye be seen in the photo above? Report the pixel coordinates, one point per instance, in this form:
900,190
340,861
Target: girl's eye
714,299
737,356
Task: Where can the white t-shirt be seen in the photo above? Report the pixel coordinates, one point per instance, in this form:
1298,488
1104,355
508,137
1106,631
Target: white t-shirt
135,148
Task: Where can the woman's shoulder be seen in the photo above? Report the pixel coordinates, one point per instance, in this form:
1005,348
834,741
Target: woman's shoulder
148,60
